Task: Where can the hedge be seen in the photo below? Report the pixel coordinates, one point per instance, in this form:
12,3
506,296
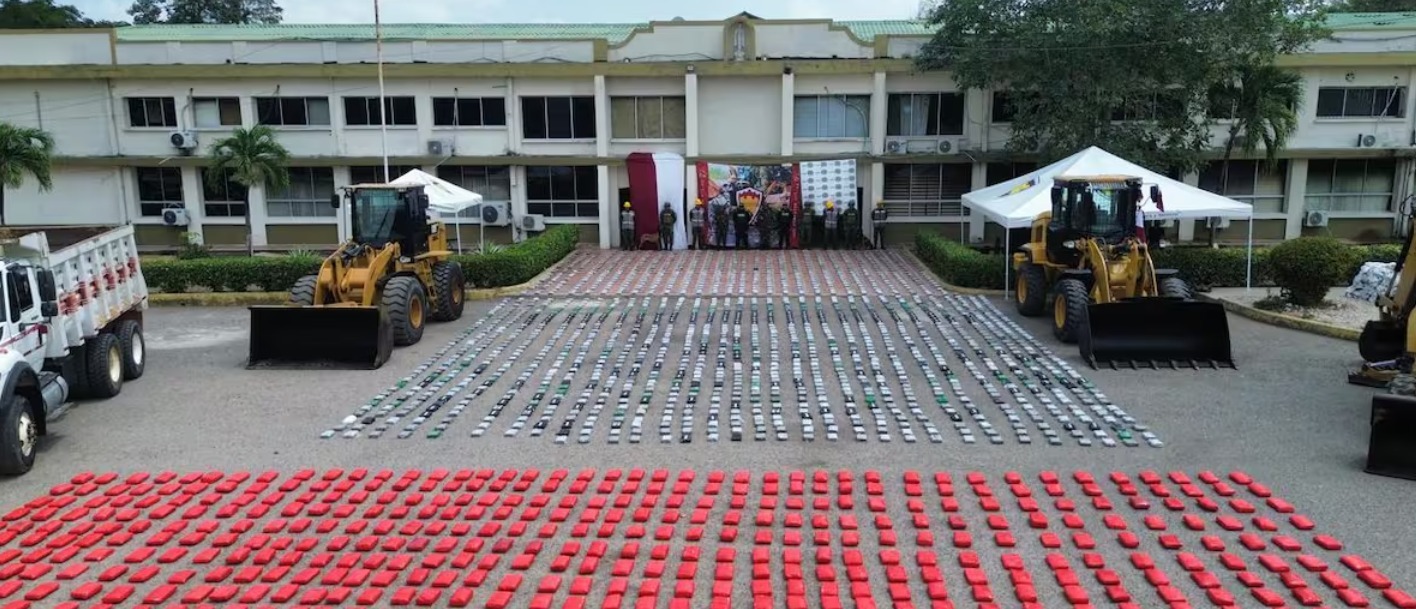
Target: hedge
516,264
1203,267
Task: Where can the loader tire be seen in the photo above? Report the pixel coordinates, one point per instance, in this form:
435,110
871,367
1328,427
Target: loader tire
104,353
1031,296
1069,309
1381,341
1175,287
451,289
407,305
303,292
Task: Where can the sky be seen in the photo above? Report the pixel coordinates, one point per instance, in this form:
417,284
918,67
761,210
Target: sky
550,11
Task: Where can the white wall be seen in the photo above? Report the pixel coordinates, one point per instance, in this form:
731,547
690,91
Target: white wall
34,49
75,113
395,51
740,115
671,42
815,40
80,196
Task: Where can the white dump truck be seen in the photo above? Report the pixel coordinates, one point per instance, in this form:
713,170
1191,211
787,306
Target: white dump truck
72,327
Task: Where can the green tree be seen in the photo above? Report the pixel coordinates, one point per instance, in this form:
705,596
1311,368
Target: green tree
44,14
1262,111
1131,76
250,157
1374,6
25,152
206,11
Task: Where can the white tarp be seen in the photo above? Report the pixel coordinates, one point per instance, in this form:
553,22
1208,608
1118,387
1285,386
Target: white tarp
1372,281
444,197
1017,202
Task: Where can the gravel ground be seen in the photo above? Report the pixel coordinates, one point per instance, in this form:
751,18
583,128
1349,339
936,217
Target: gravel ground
1340,311
1286,417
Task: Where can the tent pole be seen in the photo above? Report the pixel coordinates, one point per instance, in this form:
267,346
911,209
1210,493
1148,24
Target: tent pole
1007,248
1249,256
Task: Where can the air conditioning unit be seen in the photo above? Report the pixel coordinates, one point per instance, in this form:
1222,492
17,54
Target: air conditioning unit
945,146
439,148
895,146
534,223
495,213
1316,219
1217,223
183,140
1367,140
175,216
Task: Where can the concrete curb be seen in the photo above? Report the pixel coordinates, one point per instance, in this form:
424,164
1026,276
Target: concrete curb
246,299
909,253
1284,321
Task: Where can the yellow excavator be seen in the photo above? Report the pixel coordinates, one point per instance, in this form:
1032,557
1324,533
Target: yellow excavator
378,290
1085,264
1387,344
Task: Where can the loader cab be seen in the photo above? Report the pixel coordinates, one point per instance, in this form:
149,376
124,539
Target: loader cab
384,214
1095,207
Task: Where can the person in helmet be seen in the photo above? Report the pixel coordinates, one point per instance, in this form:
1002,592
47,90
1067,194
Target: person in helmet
784,225
878,216
695,225
627,227
850,225
832,223
667,219
741,220
720,226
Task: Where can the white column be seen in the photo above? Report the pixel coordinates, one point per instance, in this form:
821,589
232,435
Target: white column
513,117
607,209
788,104
1295,197
602,150
976,221
1187,227
341,215
517,175
879,104
690,94
191,199
875,193
256,206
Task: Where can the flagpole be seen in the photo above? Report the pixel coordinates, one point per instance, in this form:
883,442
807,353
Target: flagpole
383,118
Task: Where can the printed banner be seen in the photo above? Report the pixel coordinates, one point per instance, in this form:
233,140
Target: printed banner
758,189
834,181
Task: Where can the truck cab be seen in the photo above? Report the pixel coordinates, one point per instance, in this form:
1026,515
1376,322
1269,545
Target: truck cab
30,395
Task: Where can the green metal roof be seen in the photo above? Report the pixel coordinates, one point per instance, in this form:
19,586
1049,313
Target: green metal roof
612,32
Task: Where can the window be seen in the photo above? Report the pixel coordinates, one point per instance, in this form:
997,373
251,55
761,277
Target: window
648,118
493,183
364,112
1003,110
19,293
927,190
159,188
1149,108
830,116
217,112
374,174
225,198
292,111
1346,102
563,192
925,114
1251,182
469,112
999,173
558,118
307,197
1350,185
152,112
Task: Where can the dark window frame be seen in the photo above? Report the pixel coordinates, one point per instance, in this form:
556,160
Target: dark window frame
545,191
578,122
168,181
291,111
142,109
363,111
942,120
226,200
469,112
224,104
1361,102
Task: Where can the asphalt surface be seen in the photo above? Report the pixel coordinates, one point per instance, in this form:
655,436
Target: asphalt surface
1286,417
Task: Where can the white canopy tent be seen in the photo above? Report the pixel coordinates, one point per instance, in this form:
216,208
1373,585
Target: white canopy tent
1017,202
444,197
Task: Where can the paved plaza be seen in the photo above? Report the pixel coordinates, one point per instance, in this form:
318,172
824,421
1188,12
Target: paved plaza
680,430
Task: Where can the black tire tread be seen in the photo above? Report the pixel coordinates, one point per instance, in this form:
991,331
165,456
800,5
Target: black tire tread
448,282
1074,293
1175,287
1036,279
398,295
12,461
1381,340
303,292
96,352
128,332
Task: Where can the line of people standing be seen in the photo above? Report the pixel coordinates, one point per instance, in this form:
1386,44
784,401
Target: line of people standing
830,228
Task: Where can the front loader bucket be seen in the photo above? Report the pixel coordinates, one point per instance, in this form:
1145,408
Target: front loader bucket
326,337
1157,332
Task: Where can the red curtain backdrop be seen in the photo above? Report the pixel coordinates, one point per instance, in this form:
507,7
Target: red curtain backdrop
795,239
643,194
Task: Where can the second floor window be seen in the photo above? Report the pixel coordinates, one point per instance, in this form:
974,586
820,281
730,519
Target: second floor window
469,112
364,112
216,112
558,118
648,118
925,114
152,112
293,111
831,116
1361,102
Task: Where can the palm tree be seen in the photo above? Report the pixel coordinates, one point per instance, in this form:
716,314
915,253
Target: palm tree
250,157
24,151
1262,107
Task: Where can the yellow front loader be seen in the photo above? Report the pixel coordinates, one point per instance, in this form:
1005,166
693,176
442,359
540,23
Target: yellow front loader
378,290
1086,265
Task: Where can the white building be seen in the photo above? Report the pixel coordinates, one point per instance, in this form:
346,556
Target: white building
543,116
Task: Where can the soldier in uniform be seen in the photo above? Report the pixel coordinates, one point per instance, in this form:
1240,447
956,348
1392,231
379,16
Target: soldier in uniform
695,225
850,224
830,222
627,228
667,219
878,216
720,226
808,216
741,218
766,226
784,225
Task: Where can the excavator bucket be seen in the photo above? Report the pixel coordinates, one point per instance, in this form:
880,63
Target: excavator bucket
326,337
1157,332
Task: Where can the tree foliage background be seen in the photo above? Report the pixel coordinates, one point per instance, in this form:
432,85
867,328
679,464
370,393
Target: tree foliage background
44,14
205,11
1074,67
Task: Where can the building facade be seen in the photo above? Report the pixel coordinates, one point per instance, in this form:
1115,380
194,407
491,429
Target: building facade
542,116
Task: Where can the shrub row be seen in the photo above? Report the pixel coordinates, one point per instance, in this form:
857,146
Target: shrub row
516,264
1203,267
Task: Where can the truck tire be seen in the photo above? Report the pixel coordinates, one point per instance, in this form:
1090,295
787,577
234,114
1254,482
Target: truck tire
303,292
1031,293
407,305
130,338
1069,309
105,366
19,437
452,291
